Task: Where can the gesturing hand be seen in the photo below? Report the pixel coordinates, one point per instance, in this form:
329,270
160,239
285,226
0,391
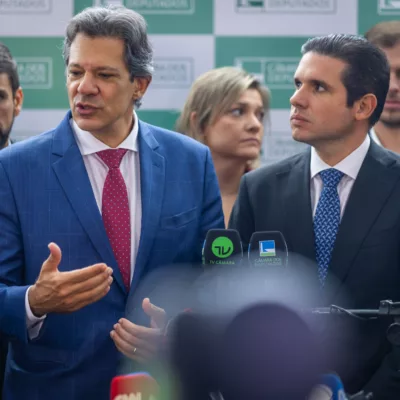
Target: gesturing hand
64,292
138,342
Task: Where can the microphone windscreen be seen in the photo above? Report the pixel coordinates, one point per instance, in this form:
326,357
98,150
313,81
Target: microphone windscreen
134,386
222,247
193,340
268,351
268,249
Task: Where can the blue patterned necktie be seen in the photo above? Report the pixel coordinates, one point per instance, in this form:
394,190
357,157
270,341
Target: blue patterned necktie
327,220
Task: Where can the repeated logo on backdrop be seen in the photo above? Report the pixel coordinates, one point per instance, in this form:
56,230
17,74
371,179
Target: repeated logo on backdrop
284,6
35,72
161,7
22,7
41,71
272,60
274,72
373,11
189,37
389,7
166,16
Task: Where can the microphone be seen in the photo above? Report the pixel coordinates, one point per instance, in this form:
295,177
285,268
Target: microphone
193,351
222,247
267,351
137,386
268,249
329,388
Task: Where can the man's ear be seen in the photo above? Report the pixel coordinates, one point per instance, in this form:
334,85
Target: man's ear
365,107
18,101
141,83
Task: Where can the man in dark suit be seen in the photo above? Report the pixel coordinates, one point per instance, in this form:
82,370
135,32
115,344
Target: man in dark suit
11,98
112,199
337,203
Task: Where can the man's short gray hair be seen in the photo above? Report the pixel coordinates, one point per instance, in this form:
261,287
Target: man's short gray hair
116,22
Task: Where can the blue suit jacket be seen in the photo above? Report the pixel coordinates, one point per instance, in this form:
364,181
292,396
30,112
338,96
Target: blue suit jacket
46,196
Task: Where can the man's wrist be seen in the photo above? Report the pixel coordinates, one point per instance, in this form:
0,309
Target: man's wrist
32,303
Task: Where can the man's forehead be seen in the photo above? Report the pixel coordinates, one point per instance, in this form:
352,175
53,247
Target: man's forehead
5,83
319,67
393,55
97,52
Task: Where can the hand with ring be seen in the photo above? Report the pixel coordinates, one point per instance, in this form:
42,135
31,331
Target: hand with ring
137,342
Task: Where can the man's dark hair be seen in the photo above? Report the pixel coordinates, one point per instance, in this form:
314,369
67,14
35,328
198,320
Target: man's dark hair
367,68
9,66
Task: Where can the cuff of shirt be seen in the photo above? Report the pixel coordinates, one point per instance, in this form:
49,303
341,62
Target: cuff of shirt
33,323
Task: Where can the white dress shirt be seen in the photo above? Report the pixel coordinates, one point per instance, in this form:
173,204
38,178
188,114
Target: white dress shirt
97,171
374,137
350,166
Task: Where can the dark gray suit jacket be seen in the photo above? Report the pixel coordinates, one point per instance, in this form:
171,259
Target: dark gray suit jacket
3,348
365,264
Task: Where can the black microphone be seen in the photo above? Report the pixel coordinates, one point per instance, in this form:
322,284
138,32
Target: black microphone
222,247
268,249
193,348
264,351
267,351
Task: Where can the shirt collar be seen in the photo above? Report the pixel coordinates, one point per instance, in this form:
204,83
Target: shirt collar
374,137
88,144
350,166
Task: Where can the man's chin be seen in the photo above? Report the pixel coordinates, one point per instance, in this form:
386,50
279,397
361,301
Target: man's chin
391,120
301,136
87,124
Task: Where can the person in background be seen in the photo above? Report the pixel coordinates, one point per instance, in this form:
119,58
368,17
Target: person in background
11,95
226,109
11,98
386,132
90,209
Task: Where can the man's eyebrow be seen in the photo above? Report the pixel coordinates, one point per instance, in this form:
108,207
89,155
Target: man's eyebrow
100,68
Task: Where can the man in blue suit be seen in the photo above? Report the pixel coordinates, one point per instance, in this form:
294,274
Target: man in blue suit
112,199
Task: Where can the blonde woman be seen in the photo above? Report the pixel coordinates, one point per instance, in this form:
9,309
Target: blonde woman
225,110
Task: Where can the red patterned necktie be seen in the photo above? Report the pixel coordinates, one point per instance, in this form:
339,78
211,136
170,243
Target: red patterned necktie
115,211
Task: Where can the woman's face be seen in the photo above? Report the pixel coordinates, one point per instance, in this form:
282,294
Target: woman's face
238,133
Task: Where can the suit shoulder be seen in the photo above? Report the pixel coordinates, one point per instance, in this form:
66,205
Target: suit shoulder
175,140
266,172
26,148
393,157
389,160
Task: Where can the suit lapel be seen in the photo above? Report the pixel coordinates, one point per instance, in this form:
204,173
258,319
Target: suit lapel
152,182
374,183
72,175
298,212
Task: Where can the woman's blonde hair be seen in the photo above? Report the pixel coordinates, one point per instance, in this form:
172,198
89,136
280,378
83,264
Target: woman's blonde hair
212,95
